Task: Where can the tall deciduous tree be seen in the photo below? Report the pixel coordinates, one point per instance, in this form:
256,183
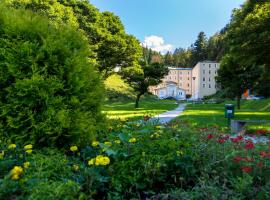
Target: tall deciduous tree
105,31
248,40
149,75
236,78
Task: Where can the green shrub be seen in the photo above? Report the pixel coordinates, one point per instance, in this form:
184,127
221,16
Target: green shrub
50,93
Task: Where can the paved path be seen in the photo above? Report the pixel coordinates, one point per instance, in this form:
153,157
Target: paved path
164,118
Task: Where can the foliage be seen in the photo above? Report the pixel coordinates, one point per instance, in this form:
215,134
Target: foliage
105,32
150,75
143,160
247,39
236,78
199,49
50,93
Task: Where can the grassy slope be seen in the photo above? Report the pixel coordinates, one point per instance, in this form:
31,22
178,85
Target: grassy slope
213,114
123,105
116,84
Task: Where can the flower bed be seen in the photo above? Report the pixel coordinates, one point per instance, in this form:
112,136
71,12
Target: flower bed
141,160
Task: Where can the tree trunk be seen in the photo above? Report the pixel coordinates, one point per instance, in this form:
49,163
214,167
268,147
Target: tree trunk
238,102
137,100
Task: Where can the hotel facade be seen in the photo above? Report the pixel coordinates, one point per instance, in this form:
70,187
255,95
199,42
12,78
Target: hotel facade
182,83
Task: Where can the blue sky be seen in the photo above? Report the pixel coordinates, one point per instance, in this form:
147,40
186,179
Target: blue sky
168,24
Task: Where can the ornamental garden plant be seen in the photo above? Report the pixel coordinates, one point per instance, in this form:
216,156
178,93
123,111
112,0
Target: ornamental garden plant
50,92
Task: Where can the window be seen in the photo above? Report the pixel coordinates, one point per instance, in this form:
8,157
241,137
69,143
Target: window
175,77
215,71
180,72
203,71
170,77
188,84
188,73
203,79
209,65
188,78
180,78
215,65
209,71
209,79
209,85
203,85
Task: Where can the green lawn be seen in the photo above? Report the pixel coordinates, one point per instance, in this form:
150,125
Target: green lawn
213,114
147,107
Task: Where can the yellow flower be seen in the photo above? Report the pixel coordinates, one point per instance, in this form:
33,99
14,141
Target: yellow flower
26,165
91,162
12,146
29,146
132,140
16,172
15,177
105,160
117,141
75,167
29,151
158,127
2,154
102,160
95,143
108,143
73,148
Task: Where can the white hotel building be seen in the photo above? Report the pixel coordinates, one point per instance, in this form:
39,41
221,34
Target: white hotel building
181,83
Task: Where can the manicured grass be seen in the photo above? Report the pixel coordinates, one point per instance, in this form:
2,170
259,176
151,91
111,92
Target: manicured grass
126,110
204,115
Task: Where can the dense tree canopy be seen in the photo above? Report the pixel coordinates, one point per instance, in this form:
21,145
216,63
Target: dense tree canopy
247,40
105,31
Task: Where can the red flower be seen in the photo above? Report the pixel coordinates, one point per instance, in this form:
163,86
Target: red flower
210,136
238,159
246,169
237,139
221,140
264,154
261,132
260,164
249,145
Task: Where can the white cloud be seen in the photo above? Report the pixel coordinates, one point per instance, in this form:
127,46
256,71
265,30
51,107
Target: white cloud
157,43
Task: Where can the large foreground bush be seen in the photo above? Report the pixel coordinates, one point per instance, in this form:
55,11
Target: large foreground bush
50,93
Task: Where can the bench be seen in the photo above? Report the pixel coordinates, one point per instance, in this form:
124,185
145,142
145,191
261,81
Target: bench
238,125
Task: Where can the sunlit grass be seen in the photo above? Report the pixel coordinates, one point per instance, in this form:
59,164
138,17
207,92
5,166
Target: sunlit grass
213,114
126,110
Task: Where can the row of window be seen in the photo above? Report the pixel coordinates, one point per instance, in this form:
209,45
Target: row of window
174,72
181,78
209,86
209,71
214,65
